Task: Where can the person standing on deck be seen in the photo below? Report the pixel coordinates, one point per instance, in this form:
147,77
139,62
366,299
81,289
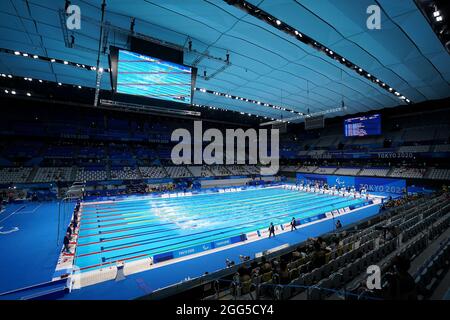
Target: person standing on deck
271,230
293,224
66,243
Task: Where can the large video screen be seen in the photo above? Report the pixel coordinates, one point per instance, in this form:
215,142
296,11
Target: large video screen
154,78
363,126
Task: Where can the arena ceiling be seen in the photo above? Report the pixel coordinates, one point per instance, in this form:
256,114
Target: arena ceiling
266,64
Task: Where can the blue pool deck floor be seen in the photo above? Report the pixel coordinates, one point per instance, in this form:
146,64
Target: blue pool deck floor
28,244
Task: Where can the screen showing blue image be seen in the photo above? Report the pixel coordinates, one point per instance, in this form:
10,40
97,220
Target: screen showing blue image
363,126
150,77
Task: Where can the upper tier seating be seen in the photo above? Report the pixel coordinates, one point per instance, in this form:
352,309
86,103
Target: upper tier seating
52,174
408,173
152,172
91,174
219,171
414,149
307,169
127,173
238,170
253,169
419,134
439,174
325,170
347,171
442,148
14,175
374,172
178,172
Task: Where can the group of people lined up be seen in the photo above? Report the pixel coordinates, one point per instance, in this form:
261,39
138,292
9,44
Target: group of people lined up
72,228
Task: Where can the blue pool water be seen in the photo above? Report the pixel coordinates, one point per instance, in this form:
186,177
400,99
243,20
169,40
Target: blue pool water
133,229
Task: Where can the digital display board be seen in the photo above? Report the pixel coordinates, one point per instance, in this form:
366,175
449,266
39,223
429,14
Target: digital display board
142,75
363,126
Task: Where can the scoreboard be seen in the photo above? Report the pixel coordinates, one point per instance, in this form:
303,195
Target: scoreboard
363,126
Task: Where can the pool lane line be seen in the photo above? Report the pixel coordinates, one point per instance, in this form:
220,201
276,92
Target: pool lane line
207,209
144,242
233,227
151,209
89,204
130,203
210,216
234,200
333,204
130,258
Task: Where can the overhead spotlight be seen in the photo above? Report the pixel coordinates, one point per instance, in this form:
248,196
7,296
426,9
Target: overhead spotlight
17,53
79,87
343,59
6,91
360,70
368,75
13,92
436,13
100,70
439,19
40,81
35,56
59,84
9,76
65,62
278,22
25,54
52,60
28,94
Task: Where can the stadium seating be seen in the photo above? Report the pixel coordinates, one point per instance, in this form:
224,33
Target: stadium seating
374,172
439,174
307,169
91,174
326,170
126,173
14,175
407,172
52,174
152,172
178,172
347,171
346,263
414,149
